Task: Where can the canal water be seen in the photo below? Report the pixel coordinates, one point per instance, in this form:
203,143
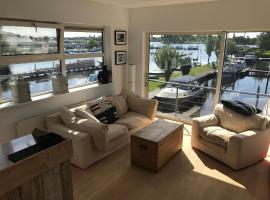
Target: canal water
38,85
244,84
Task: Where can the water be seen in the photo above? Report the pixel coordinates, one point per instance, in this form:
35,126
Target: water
193,54
246,84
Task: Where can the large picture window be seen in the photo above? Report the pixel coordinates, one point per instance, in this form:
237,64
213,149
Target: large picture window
83,55
35,52
20,40
189,74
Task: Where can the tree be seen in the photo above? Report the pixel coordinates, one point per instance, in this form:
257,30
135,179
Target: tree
210,46
168,58
263,41
231,47
92,43
217,46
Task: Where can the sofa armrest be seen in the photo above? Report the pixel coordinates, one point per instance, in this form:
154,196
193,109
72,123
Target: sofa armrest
249,146
146,107
208,120
82,144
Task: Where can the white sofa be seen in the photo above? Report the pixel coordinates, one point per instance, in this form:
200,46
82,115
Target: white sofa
234,139
140,113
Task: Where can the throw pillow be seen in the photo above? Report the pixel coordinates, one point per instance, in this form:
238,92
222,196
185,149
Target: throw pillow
240,107
120,104
86,113
104,110
237,122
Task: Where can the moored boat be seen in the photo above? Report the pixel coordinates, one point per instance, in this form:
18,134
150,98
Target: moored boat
188,94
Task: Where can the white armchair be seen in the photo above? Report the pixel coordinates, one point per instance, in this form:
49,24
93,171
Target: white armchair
234,139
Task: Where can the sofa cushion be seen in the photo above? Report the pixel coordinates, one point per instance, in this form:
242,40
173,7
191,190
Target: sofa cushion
217,135
66,115
146,107
132,120
86,113
241,107
120,104
115,131
97,130
238,123
103,110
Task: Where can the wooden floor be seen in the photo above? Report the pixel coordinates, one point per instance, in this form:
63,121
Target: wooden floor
189,175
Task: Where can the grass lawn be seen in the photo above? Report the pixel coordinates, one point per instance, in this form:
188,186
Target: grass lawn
194,71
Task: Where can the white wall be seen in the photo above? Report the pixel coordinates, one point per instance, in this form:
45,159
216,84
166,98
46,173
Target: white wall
224,15
64,11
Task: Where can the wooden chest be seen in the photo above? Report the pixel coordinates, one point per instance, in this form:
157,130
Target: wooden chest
154,145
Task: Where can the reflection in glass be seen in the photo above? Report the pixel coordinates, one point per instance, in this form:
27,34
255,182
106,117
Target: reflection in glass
190,61
82,42
82,71
247,67
19,40
37,74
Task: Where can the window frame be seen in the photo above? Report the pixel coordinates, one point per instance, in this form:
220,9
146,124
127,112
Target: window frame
61,56
70,28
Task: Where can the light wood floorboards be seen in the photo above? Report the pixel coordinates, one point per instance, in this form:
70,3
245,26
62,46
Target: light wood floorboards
189,175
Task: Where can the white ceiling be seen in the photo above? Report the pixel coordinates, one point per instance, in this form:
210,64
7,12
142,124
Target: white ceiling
147,3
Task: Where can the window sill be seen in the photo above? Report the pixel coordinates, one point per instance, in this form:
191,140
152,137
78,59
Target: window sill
42,97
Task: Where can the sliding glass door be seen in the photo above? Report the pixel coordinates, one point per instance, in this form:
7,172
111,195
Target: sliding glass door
183,71
246,68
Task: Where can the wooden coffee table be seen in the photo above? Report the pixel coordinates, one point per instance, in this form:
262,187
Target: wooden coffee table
154,145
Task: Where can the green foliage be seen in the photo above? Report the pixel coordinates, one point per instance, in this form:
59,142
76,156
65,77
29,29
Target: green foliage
266,54
210,46
231,47
263,41
92,43
168,58
194,71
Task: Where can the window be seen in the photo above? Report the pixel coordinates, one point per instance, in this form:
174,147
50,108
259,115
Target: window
188,63
36,51
83,56
20,40
37,74
83,42
246,70
244,73
82,71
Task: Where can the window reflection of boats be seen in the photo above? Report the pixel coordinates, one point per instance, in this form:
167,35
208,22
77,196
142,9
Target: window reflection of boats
188,94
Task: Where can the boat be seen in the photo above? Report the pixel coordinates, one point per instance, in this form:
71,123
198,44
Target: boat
193,48
234,69
250,57
188,94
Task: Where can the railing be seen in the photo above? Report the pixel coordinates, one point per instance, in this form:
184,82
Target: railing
202,104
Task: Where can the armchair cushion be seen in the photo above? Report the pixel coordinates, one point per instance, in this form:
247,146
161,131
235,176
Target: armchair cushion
207,120
238,123
217,135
